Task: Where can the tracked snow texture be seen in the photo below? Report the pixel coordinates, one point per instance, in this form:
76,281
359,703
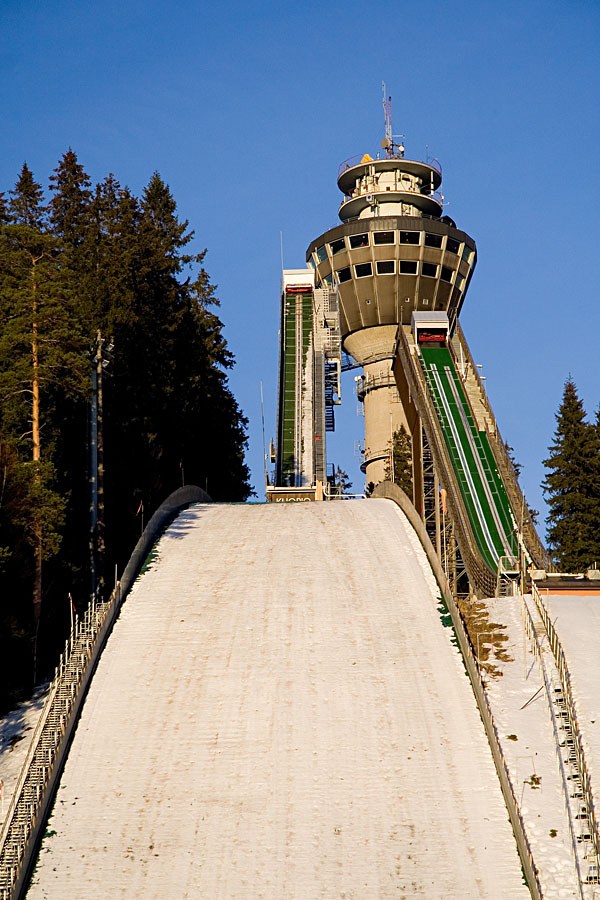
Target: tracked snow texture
280,714
576,619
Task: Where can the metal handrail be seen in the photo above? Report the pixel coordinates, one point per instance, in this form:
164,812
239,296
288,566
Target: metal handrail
488,709
565,680
47,739
407,189
358,157
39,774
535,641
504,462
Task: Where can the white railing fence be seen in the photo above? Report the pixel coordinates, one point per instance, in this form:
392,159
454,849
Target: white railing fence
577,748
34,792
54,728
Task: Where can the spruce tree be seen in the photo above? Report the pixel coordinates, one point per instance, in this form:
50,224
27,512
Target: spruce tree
572,486
69,208
400,449
38,358
340,482
100,259
25,207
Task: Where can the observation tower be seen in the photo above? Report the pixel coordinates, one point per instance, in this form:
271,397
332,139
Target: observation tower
395,253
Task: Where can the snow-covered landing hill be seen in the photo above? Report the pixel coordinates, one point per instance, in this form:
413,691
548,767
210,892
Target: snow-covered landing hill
280,713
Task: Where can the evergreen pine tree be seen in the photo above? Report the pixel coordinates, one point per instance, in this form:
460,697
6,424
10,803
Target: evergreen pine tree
572,486
400,449
25,206
102,260
4,214
69,208
340,482
38,358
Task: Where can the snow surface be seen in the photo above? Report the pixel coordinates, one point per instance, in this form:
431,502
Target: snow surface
280,713
521,711
16,731
576,620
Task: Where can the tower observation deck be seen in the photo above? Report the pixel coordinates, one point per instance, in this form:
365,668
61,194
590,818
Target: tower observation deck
393,254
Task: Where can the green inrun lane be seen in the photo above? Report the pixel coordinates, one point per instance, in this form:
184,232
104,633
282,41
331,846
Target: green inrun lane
485,498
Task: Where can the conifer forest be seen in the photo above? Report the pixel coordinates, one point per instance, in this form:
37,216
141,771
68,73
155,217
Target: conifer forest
104,317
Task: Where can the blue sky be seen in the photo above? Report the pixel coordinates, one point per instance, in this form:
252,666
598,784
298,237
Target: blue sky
246,110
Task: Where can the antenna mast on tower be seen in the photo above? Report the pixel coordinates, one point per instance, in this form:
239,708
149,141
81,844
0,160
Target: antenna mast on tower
387,112
387,143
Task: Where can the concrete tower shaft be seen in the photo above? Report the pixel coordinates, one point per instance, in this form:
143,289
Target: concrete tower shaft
394,253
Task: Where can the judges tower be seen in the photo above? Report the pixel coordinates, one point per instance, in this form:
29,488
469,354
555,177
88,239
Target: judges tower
393,254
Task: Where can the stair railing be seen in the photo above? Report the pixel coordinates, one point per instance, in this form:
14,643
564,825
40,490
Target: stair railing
39,773
482,578
504,462
34,792
565,680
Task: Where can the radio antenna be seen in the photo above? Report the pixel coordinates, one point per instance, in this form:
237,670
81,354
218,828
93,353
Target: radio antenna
388,143
387,112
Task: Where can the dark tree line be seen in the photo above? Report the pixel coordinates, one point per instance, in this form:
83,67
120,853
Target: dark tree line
572,486
95,260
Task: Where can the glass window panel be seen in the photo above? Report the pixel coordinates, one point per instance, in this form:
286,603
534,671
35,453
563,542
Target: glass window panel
344,274
408,267
383,237
452,245
321,253
433,240
359,240
336,246
466,254
429,269
446,273
385,267
363,270
410,237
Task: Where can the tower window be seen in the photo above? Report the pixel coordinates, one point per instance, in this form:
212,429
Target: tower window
337,246
359,240
321,253
410,237
452,246
328,280
466,254
363,270
446,274
344,275
385,267
429,270
383,237
433,240
408,267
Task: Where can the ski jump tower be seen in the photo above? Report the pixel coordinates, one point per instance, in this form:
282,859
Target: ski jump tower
309,386
394,254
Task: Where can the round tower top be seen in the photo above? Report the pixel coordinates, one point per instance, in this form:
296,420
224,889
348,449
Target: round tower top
392,185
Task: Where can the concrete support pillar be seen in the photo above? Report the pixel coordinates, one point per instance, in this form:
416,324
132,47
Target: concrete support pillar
384,414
